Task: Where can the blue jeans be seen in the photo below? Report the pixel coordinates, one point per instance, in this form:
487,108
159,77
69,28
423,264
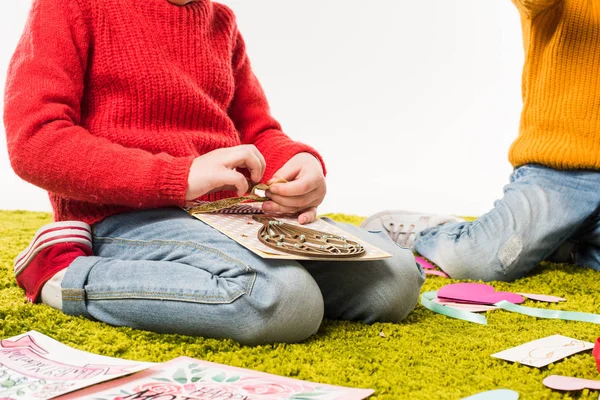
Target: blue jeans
543,210
164,271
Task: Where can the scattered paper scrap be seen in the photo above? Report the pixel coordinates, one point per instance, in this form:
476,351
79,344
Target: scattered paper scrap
543,297
499,394
542,352
568,384
424,263
436,273
429,268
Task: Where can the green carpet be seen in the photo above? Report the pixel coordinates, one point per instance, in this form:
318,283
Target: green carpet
428,356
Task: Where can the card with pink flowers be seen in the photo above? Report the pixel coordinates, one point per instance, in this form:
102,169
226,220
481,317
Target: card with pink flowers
34,366
186,378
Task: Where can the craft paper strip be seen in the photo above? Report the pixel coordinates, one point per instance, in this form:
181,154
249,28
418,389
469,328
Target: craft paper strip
426,301
542,352
567,383
244,230
500,394
189,379
550,314
34,366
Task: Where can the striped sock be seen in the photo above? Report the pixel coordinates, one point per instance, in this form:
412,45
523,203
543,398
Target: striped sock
53,248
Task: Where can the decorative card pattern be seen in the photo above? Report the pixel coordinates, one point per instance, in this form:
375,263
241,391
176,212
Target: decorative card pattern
186,378
542,352
34,366
244,230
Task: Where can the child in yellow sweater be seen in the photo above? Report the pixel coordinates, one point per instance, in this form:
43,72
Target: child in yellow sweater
551,207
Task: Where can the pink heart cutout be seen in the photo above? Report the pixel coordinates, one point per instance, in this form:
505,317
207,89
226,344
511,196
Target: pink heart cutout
477,293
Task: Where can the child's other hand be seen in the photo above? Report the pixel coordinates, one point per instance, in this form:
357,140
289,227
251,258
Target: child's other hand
216,171
303,192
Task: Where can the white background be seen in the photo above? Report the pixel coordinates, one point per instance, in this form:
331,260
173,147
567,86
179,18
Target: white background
412,103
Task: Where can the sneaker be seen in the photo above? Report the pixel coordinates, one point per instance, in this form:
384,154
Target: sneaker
404,226
52,249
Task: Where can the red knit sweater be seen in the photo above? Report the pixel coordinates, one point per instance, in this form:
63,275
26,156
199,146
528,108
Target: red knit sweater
109,101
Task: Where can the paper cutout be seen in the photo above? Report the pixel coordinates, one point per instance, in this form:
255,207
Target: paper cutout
429,268
465,307
596,353
244,230
424,263
427,302
33,365
543,297
476,293
550,314
566,383
499,394
186,378
303,241
542,352
436,273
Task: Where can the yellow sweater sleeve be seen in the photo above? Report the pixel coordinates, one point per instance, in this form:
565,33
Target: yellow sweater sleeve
531,8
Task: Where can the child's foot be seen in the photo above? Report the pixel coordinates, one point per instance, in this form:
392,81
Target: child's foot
404,226
52,249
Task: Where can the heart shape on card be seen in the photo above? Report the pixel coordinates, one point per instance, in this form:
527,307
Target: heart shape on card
476,293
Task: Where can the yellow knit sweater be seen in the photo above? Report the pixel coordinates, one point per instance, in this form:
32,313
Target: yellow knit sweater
560,123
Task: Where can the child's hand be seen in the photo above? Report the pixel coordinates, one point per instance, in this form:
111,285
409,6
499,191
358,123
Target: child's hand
216,171
303,192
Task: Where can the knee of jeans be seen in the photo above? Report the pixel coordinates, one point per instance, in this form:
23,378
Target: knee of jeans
483,265
397,295
293,314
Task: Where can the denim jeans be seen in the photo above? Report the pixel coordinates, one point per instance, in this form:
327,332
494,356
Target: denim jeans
542,210
164,271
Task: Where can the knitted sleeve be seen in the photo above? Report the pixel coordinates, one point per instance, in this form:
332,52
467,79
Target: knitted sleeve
531,8
46,143
250,113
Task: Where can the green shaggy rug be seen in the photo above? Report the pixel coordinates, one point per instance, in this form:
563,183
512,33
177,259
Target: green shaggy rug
428,356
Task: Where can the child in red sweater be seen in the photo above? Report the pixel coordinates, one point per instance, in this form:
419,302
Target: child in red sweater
124,110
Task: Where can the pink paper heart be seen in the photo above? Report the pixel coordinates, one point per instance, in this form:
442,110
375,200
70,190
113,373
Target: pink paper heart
477,293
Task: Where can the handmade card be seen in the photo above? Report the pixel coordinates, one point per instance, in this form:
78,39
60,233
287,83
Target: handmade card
244,230
34,366
189,379
542,352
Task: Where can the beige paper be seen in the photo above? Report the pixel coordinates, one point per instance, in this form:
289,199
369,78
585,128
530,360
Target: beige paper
244,230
